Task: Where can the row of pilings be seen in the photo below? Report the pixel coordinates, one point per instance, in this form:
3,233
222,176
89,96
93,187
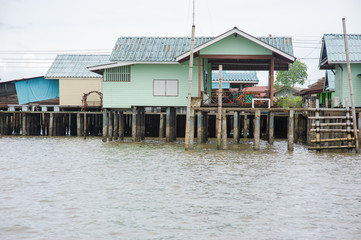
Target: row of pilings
167,124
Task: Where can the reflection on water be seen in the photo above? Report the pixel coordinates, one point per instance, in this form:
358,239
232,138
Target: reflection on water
70,188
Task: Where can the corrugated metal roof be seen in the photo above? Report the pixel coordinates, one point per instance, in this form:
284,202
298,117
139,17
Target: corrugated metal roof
236,76
282,43
166,49
75,66
334,45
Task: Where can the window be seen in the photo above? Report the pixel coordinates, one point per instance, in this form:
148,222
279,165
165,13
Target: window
165,88
118,74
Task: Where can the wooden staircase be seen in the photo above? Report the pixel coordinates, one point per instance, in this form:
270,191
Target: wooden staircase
333,131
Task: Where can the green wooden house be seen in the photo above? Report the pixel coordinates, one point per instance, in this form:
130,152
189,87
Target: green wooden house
333,57
153,71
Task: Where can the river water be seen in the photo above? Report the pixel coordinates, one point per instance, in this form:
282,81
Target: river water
71,188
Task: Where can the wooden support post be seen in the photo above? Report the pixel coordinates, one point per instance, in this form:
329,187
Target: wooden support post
2,126
359,127
161,125
257,130
105,125
116,126
271,79
121,126
224,130
191,129
205,127
290,134
219,112
28,125
142,123
296,128
85,125
245,126
309,126
78,129
168,130
271,130
51,124
236,127
110,126
200,126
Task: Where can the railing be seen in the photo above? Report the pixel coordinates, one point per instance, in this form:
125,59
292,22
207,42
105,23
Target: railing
233,98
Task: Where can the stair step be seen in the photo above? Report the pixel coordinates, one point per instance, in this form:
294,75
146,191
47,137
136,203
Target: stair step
332,124
330,117
331,147
332,130
334,140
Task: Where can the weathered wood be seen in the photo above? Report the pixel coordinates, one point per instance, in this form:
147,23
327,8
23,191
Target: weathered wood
348,129
331,147
110,126
78,127
334,140
333,124
271,129
327,117
121,126
105,125
359,126
245,126
134,124
219,111
257,130
2,126
296,128
85,125
290,135
317,115
116,126
200,127
224,130
191,129
170,128
51,124
331,130
236,127
161,125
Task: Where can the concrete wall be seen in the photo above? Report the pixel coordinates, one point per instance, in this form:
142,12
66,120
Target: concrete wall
71,90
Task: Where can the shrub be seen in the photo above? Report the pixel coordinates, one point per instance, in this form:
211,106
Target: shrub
289,102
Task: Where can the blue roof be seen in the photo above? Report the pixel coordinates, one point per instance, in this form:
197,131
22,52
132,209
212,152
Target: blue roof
333,48
166,49
236,76
75,66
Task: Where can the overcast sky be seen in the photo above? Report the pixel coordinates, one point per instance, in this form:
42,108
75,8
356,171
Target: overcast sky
32,32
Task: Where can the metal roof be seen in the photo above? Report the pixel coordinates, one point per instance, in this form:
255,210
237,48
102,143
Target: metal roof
236,76
166,49
333,48
75,66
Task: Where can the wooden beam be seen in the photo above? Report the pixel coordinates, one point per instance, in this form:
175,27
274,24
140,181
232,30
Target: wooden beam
247,57
199,77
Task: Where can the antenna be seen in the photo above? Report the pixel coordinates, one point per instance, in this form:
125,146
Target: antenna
193,10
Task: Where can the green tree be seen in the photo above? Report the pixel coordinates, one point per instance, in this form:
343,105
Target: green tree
297,74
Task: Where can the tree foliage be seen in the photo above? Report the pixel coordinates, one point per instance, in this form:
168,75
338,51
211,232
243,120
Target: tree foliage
297,74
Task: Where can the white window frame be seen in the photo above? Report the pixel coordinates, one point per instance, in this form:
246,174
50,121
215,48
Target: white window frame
160,88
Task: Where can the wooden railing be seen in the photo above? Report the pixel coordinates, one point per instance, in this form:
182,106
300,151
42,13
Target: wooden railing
232,98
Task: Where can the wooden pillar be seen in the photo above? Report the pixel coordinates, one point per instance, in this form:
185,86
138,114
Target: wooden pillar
110,126
78,128
236,127
205,127
2,126
271,79
257,130
200,127
116,126
219,111
121,126
142,123
245,126
224,130
161,125
51,124
191,129
28,124
309,126
296,128
170,120
271,128
359,127
85,125
290,134
105,125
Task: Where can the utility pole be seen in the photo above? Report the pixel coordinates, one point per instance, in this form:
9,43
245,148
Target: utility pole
350,85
